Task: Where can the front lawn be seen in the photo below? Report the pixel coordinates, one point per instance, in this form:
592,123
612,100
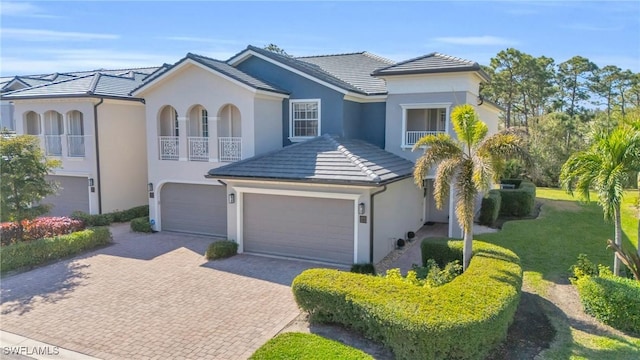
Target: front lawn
549,245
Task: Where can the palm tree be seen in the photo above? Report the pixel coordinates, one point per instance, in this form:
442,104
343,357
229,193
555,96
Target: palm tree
605,167
468,164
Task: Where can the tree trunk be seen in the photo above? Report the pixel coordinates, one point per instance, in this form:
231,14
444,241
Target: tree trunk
468,247
618,240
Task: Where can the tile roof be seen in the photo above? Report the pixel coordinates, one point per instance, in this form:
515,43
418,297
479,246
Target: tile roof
430,63
306,67
96,84
218,66
354,69
324,159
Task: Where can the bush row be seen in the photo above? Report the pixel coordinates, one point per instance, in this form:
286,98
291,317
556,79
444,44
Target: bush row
221,249
307,347
141,224
108,218
27,254
38,228
490,208
463,319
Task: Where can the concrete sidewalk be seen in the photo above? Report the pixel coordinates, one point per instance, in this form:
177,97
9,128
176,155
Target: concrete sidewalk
16,347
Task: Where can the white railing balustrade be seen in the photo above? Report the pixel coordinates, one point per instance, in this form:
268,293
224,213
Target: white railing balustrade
53,145
198,148
412,137
169,147
230,148
75,145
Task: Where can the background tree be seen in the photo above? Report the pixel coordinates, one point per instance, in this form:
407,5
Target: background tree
276,49
23,180
604,167
573,84
467,164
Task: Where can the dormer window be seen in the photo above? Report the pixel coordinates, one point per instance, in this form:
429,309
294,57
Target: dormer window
304,119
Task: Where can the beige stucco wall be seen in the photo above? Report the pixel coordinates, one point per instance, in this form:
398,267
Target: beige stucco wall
397,210
123,155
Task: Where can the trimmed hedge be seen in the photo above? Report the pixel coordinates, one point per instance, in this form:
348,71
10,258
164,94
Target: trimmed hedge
37,252
366,268
611,299
39,228
108,218
221,249
463,319
518,202
490,208
141,224
294,346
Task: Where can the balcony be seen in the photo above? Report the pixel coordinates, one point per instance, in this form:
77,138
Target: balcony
53,145
229,148
169,147
412,137
198,148
75,145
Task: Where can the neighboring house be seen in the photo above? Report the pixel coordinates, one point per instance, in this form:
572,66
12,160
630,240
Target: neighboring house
305,157
90,122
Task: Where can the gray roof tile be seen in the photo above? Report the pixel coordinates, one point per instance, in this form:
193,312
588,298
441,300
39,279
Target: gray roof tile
324,159
430,63
354,69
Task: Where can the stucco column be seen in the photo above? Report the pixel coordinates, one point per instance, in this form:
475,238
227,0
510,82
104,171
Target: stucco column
64,146
213,139
182,138
41,132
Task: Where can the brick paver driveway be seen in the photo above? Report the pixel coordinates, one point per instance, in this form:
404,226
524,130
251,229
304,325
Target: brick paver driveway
153,296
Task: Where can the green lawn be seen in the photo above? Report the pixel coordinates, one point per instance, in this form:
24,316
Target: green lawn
549,245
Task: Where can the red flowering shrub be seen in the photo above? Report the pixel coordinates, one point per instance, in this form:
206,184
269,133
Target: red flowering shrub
39,228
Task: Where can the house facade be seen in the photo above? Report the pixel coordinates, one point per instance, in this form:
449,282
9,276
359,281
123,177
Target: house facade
299,157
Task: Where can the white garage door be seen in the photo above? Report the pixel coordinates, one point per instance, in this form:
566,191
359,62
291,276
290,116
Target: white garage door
73,194
302,227
199,209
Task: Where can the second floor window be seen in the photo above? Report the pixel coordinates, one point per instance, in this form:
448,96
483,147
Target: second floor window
205,123
305,118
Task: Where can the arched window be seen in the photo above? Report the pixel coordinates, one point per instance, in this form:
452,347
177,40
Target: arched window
75,133
169,132
32,123
53,130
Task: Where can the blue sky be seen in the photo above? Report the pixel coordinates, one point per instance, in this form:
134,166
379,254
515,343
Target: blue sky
47,36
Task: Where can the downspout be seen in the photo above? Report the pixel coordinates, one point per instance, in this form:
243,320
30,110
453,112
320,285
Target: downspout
95,127
371,222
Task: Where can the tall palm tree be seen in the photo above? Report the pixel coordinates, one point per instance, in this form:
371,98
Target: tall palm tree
468,164
604,167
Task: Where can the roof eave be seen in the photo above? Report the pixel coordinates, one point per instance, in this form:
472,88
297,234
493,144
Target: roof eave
310,181
73,96
384,73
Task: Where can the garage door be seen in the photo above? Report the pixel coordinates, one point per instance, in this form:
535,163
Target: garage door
303,227
200,209
73,194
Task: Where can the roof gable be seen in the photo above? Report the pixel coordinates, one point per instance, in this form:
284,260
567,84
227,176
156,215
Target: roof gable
218,67
431,63
324,159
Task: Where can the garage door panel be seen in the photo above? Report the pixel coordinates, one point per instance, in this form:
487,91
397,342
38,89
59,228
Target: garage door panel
73,195
313,228
193,208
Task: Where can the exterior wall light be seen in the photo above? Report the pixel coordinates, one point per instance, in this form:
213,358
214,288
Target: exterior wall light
150,187
232,198
361,209
90,181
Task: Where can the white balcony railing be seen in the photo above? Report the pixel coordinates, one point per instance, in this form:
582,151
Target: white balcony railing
230,148
75,145
198,148
412,137
169,147
53,145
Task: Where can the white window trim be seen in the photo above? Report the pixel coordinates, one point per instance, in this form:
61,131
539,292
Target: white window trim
425,106
303,138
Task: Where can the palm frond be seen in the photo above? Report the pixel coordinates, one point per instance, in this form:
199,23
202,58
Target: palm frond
466,193
445,173
440,148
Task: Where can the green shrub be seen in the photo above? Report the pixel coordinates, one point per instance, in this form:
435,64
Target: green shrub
363,269
141,224
490,208
465,318
584,267
93,220
294,346
130,214
37,252
611,299
515,182
442,250
221,249
518,202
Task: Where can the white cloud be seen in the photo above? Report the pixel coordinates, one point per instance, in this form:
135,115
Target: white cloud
49,60
51,35
475,40
589,27
23,9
